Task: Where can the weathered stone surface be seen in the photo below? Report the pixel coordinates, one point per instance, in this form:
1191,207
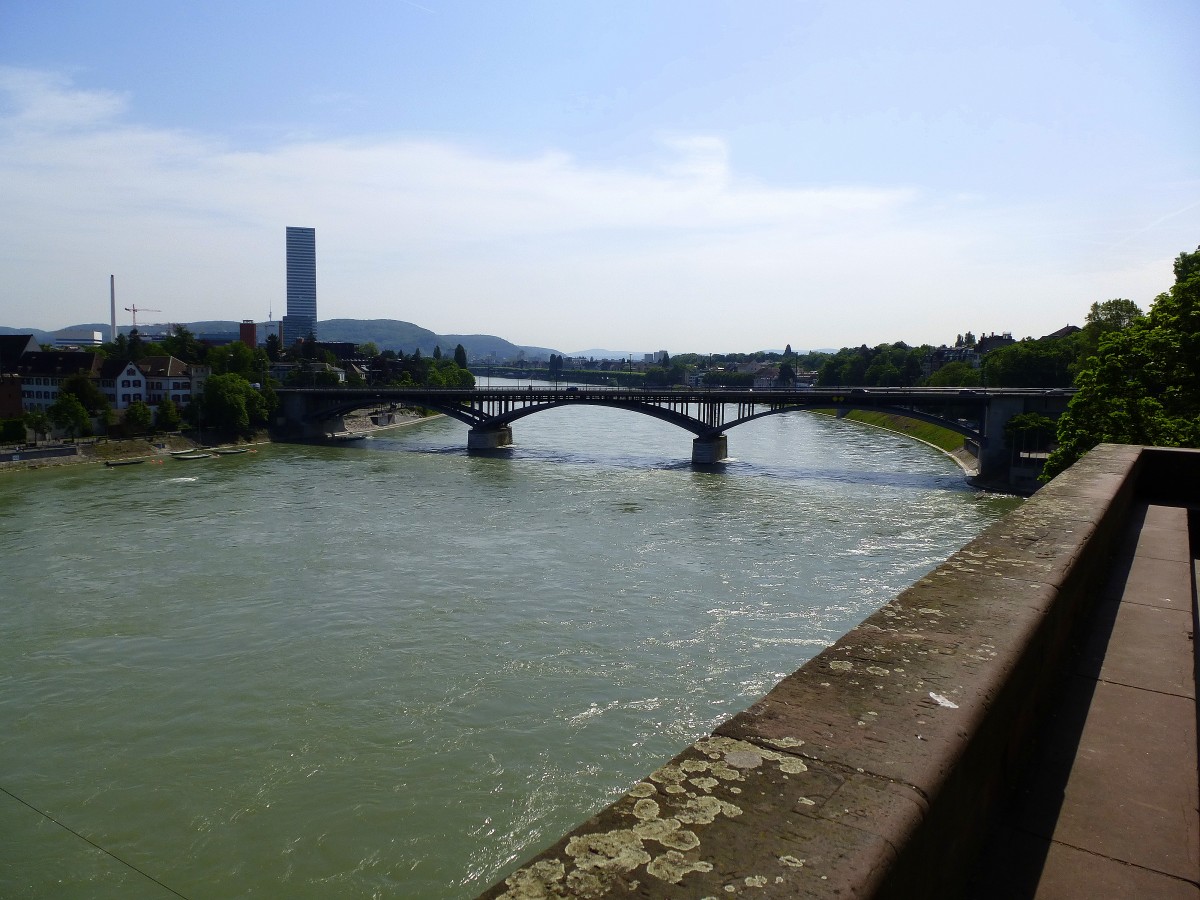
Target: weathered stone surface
872,770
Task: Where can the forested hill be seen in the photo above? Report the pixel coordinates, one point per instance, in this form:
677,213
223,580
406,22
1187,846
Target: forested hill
387,334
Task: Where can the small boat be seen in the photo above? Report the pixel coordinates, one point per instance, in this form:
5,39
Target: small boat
229,451
348,436
186,452
113,463
192,454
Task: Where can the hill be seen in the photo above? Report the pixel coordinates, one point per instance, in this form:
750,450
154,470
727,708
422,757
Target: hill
387,334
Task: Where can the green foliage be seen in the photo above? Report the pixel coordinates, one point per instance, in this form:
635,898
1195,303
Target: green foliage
367,349
450,375
232,404
1113,315
238,359
460,356
272,347
37,422
1142,386
138,417
955,374
69,414
1031,431
138,348
87,391
12,431
183,345
1043,363
887,365
167,418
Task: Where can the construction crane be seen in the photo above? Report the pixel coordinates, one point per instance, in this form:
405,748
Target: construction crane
135,309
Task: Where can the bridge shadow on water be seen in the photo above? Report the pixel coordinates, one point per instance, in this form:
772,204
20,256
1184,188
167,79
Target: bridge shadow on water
898,480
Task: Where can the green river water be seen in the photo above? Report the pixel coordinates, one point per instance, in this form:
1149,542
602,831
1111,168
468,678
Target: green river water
390,669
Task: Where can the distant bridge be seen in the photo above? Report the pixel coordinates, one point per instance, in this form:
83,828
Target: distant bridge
978,414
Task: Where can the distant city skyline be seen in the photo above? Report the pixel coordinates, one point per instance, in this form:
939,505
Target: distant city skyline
699,174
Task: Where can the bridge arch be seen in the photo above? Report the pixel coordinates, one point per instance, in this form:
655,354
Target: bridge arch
949,424
490,412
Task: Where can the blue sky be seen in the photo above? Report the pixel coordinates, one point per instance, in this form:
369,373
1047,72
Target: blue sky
695,176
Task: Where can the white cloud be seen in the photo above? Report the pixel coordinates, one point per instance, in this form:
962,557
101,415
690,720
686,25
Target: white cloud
47,100
683,253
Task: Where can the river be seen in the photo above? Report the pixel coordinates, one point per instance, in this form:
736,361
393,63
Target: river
390,669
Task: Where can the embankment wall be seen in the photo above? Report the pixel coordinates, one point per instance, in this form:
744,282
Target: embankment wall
874,769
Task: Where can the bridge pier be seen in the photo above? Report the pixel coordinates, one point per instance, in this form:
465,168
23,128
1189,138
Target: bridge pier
480,440
707,451
995,457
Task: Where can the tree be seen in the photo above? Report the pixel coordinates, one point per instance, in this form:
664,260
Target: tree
1030,432
68,414
37,422
955,374
182,344
238,359
167,418
437,351
12,431
273,350
136,346
231,403
1045,363
138,417
87,391
1142,386
1113,315
460,356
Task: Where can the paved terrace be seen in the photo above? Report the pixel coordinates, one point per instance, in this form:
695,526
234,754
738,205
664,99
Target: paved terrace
1019,723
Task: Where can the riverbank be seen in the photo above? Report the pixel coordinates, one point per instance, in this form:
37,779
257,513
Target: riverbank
951,443
158,446
103,450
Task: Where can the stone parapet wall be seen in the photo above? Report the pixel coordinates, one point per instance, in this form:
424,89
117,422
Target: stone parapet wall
873,770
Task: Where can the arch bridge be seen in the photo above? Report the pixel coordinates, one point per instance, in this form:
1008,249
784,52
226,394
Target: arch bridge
978,414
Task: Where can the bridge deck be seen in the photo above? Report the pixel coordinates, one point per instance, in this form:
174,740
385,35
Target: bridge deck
1110,805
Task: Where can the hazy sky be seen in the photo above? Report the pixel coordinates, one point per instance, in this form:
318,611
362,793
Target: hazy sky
691,176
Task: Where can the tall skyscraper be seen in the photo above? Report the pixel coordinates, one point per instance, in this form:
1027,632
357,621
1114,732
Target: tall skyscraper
301,318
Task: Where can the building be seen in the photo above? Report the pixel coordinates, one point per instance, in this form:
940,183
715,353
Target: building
301,318
122,383
79,339
43,372
167,376
12,348
11,406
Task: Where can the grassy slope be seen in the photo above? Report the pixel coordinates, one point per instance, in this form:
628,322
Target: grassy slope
940,437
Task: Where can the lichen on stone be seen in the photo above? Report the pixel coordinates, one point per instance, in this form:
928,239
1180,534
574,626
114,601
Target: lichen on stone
646,809
673,865
539,881
784,743
611,852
